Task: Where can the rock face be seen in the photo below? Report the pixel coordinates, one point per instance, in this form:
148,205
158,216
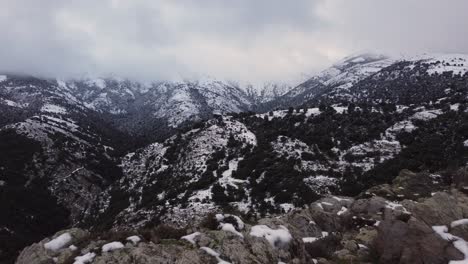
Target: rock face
413,240
331,230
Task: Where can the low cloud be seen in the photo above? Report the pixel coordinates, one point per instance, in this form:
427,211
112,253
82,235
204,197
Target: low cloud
256,41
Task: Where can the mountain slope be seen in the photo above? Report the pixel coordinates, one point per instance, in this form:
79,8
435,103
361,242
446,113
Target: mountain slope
375,77
259,165
148,111
196,147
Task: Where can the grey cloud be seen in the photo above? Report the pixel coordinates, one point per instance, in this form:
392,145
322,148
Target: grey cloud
249,40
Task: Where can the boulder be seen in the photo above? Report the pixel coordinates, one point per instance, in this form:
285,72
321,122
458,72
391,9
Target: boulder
149,253
441,209
37,253
414,240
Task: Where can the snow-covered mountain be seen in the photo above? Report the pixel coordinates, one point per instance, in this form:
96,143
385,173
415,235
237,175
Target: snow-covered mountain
343,75
105,153
350,79
133,107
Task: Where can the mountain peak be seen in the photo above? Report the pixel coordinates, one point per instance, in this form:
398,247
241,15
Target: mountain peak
359,59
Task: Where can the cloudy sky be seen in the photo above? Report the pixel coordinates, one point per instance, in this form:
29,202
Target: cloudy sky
248,40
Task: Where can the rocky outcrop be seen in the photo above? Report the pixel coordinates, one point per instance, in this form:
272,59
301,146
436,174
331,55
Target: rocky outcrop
414,240
409,185
331,230
63,247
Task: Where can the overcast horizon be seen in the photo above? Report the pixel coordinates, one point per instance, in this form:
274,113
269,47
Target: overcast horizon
250,41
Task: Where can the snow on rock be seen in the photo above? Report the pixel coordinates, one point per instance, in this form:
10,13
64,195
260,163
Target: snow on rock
228,227
465,143
287,207
191,238
459,223
240,224
309,239
276,237
462,246
73,247
339,199
427,114
215,254
396,207
313,239
442,231
86,258
363,246
134,239
58,242
458,242
3,78
342,210
112,246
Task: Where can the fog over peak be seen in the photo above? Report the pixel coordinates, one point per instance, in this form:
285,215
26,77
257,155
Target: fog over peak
255,41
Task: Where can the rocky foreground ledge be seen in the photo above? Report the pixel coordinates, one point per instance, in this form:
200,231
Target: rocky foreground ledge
366,229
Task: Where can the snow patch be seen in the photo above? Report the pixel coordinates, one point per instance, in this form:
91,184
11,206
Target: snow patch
342,211
215,254
72,247
459,223
465,143
341,199
309,239
427,114
458,242
395,206
313,239
191,238
276,237
221,217
134,239
228,227
287,207
86,258
58,242
227,178
112,246
442,231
